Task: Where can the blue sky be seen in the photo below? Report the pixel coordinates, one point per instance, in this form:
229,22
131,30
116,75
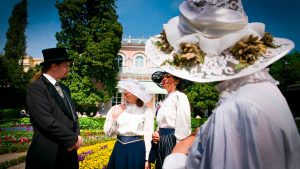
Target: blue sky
144,18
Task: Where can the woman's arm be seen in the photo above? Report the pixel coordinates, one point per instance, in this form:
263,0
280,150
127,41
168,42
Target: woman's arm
183,117
110,125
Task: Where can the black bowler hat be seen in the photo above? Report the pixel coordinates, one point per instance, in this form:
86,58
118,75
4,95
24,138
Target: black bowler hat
53,55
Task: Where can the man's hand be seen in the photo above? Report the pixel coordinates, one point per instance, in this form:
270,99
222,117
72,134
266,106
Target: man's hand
147,165
155,137
77,145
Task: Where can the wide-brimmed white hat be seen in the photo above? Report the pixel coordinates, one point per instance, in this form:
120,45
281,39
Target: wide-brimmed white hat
136,88
213,41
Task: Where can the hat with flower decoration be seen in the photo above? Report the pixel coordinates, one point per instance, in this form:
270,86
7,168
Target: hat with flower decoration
213,41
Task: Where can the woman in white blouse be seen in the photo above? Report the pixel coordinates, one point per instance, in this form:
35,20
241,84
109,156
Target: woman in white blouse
133,123
173,117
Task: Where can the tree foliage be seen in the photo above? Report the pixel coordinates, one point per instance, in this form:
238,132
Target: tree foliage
91,33
13,81
286,70
202,96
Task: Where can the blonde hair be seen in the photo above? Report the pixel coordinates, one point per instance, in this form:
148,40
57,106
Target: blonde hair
38,74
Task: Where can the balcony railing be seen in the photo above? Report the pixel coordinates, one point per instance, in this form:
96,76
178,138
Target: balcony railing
139,70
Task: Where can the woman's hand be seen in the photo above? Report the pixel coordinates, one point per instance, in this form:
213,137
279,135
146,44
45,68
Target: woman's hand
118,110
155,137
147,165
184,145
150,104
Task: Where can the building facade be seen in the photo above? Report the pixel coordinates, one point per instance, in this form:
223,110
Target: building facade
134,64
30,62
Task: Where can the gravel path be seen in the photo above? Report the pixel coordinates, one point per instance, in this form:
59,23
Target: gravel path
19,166
10,156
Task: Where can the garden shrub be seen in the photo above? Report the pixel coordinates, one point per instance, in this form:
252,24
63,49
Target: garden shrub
98,123
20,122
197,122
91,123
9,113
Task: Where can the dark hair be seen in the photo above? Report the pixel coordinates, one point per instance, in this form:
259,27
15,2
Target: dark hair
179,86
157,77
139,102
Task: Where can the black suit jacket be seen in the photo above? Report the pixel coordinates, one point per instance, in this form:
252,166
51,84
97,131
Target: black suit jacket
55,127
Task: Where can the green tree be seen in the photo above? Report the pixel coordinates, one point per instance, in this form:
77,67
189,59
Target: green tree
13,82
286,70
202,96
92,34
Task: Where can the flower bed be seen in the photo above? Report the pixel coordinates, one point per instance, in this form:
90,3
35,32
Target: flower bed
14,141
95,156
19,140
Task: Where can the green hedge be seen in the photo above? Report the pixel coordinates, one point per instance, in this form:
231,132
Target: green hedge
91,123
13,162
14,122
98,123
85,122
9,113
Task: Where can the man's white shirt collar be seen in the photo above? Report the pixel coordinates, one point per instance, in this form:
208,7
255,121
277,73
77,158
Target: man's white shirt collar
51,79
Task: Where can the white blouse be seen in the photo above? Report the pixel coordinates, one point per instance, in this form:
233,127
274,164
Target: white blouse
252,127
175,112
133,121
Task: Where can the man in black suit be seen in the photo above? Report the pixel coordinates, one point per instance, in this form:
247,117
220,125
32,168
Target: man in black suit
52,113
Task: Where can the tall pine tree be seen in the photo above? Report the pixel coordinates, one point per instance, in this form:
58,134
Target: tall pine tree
92,34
12,82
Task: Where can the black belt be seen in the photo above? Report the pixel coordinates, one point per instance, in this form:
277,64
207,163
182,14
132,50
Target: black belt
166,131
128,139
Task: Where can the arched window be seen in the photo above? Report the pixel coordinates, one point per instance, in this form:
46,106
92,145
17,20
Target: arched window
119,60
139,61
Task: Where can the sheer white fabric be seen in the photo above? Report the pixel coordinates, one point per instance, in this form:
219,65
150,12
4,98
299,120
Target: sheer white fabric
175,113
133,121
211,18
252,128
200,5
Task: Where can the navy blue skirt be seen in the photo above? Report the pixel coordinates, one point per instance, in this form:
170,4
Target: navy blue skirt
129,153
165,145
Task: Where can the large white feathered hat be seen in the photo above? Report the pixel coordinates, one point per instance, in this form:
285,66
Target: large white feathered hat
213,41
136,88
